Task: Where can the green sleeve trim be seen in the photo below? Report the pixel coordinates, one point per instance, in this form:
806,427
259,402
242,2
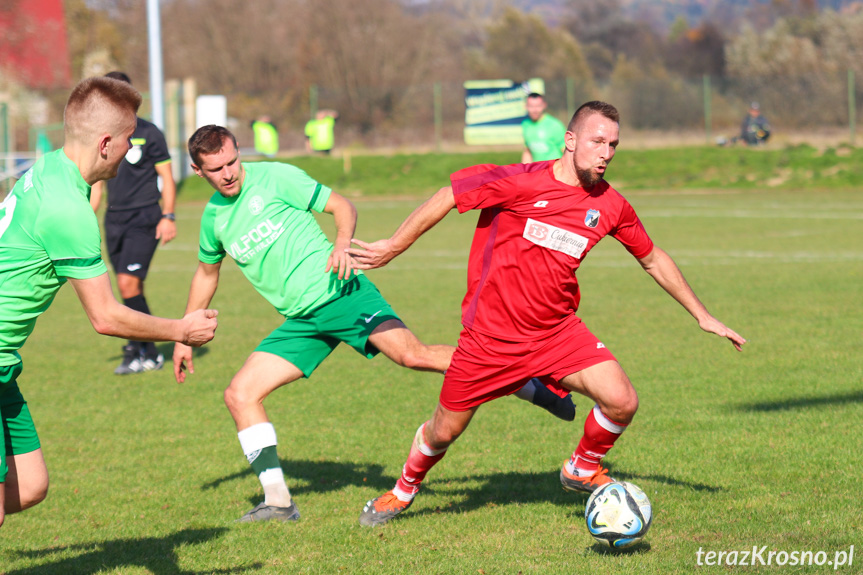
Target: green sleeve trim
315,195
163,162
208,253
77,262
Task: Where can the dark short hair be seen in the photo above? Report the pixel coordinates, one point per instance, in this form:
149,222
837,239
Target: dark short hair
593,107
117,75
535,95
207,140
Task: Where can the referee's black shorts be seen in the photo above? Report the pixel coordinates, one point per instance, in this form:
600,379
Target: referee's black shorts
130,236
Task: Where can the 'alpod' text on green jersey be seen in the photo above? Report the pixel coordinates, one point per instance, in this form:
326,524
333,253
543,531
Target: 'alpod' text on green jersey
270,231
48,233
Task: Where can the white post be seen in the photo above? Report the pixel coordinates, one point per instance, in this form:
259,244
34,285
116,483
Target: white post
154,35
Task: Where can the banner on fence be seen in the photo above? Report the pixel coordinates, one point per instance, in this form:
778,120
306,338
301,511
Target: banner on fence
494,110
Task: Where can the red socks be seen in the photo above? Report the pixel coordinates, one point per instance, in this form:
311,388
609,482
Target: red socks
420,460
600,433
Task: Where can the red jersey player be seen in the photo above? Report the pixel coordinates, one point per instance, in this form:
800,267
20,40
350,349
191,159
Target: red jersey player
538,223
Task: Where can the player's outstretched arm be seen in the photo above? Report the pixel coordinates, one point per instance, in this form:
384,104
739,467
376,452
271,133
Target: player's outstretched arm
109,317
204,284
378,254
665,272
345,216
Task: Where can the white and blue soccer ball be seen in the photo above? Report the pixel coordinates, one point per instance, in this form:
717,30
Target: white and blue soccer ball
618,514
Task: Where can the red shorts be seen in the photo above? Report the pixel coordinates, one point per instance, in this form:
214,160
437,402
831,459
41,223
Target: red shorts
484,368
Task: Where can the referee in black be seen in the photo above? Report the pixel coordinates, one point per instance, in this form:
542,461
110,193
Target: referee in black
134,224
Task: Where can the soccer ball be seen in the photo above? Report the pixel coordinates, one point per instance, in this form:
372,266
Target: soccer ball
618,514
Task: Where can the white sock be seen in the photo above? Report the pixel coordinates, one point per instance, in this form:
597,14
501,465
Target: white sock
259,445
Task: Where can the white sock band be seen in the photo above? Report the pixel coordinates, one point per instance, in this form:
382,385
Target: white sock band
403,495
606,423
421,444
257,437
272,477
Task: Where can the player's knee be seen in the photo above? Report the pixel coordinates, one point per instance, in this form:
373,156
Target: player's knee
129,286
234,397
443,436
624,408
34,495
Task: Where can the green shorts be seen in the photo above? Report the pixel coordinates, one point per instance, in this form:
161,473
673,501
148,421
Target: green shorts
350,317
19,433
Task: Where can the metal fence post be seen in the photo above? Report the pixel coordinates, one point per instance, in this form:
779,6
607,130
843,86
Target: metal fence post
438,116
708,119
313,100
852,106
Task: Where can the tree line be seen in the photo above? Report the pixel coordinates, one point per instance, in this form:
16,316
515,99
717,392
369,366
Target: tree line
375,60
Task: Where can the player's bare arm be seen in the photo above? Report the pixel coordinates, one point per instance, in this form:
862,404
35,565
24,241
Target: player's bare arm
167,228
109,317
204,284
665,272
345,215
378,254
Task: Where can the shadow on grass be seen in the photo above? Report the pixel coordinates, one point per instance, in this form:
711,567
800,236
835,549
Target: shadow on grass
467,492
638,549
320,476
157,555
666,480
520,487
803,402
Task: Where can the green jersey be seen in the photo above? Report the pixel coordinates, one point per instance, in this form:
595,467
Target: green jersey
544,138
48,233
270,231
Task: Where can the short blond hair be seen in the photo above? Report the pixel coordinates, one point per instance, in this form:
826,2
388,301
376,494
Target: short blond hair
98,105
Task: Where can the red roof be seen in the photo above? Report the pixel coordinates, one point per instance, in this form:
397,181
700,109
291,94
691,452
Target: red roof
33,46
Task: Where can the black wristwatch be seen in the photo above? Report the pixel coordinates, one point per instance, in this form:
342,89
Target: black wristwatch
169,217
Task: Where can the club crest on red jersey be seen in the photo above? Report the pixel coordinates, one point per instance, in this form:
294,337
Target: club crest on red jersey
592,218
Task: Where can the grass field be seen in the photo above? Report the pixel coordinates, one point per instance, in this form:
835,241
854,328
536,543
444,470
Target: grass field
735,450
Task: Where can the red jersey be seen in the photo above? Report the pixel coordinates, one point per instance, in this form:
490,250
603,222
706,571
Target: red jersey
532,235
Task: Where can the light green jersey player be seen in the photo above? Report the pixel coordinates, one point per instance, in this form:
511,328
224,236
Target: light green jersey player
271,233
48,232
40,248
262,216
49,235
544,138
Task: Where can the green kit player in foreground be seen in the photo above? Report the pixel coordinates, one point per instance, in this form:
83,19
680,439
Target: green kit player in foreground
262,216
48,235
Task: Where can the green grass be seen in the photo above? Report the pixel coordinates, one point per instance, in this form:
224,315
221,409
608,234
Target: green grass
740,168
734,449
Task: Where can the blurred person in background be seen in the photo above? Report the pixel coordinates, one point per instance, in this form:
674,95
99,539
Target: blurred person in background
543,133
320,135
754,130
266,136
135,223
